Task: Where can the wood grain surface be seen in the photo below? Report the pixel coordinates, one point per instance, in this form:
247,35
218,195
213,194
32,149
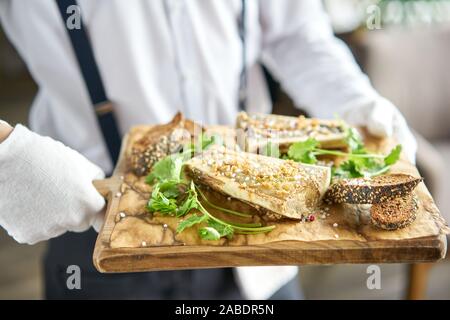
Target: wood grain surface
132,240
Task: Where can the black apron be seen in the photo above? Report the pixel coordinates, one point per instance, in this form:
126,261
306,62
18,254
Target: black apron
77,248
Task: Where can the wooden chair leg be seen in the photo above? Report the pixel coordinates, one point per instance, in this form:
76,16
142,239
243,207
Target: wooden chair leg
418,281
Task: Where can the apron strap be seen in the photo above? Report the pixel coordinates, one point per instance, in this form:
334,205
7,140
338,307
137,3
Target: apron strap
91,75
243,76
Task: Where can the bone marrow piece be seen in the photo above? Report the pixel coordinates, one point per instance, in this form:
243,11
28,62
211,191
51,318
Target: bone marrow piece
374,190
282,187
283,130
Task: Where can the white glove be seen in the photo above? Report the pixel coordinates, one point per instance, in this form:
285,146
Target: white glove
46,188
383,119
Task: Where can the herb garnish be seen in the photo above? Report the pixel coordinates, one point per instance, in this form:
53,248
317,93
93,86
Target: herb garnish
174,195
359,163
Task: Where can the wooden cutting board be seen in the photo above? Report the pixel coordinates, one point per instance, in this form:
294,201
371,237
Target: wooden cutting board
132,240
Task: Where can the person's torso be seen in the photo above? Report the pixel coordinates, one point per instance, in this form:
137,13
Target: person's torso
155,57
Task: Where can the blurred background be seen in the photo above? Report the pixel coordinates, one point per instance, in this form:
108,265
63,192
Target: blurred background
404,47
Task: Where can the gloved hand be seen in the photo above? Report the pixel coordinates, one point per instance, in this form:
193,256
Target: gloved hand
383,119
46,188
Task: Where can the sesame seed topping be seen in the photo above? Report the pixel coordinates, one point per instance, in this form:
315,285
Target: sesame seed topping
270,126
280,177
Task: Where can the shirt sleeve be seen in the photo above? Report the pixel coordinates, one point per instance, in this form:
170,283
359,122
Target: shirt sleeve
314,67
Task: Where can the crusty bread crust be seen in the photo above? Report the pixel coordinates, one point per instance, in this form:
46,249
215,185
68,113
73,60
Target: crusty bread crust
371,190
160,141
394,214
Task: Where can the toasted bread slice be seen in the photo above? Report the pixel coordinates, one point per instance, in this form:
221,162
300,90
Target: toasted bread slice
283,131
160,141
371,190
394,214
282,187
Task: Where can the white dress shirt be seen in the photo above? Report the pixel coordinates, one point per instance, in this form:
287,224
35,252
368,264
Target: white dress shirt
157,57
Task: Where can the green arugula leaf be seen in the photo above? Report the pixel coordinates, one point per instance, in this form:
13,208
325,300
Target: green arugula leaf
354,140
203,142
206,141
209,233
359,163
170,188
271,150
349,169
224,230
394,156
190,203
304,151
357,166
160,203
191,221
168,168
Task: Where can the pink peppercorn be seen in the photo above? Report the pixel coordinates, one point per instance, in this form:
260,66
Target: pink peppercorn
311,218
